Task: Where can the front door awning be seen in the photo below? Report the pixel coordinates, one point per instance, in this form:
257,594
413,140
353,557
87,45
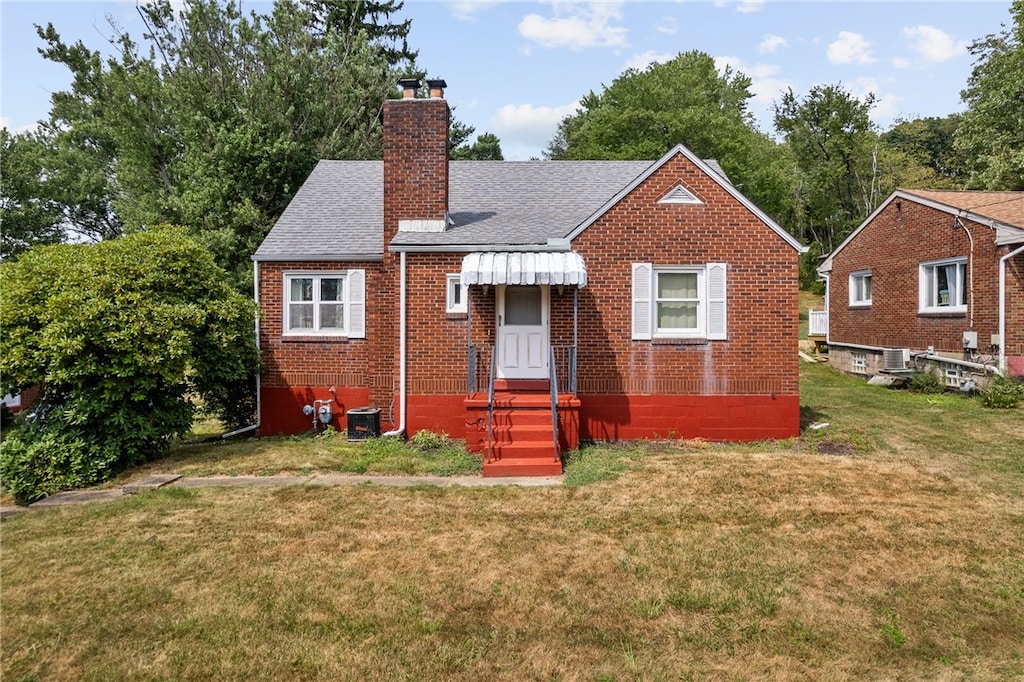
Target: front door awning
524,267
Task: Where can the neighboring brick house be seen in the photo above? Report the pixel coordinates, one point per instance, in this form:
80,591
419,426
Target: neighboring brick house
932,279
662,301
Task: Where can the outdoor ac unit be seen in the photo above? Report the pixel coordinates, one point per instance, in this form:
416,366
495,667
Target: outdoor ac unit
895,359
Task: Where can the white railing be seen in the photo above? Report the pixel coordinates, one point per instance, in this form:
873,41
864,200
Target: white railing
817,322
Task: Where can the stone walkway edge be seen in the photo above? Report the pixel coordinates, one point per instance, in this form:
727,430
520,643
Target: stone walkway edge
322,480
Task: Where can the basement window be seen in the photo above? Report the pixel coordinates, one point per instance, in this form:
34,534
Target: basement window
858,363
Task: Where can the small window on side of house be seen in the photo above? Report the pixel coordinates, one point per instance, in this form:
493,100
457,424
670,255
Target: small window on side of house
455,296
858,363
860,288
943,286
325,303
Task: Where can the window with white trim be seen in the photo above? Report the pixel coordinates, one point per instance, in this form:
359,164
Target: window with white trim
679,301
943,286
455,295
325,303
860,288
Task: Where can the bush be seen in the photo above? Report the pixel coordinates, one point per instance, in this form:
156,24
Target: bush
925,382
1003,393
428,440
120,335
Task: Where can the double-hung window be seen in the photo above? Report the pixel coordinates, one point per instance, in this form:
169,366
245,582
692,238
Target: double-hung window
943,286
679,301
860,288
328,303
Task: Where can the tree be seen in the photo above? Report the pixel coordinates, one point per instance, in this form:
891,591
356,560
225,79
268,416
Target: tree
928,147
644,113
486,148
28,217
120,335
216,118
372,17
991,136
831,137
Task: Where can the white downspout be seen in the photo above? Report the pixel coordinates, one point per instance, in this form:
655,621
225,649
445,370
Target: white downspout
401,353
1002,307
259,404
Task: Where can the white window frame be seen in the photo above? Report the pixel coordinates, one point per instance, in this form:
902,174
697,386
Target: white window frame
353,303
453,290
857,281
702,301
711,302
928,271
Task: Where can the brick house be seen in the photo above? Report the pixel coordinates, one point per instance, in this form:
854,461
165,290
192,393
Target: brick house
931,280
527,306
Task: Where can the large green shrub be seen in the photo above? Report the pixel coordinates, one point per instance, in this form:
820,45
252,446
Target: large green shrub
120,336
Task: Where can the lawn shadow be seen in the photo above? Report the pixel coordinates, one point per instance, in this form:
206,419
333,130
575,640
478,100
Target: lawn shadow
811,415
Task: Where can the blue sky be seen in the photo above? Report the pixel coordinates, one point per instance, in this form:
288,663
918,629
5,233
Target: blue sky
516,68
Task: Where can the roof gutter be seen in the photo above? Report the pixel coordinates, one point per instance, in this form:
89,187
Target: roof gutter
401,352
1002,307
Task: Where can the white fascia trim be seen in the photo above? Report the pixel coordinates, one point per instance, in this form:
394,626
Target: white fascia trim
707,170
469,248
346,258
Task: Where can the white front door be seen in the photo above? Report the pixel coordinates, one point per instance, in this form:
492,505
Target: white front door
523,332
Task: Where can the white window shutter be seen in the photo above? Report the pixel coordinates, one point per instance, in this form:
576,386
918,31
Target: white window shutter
717,298
642,276
355,304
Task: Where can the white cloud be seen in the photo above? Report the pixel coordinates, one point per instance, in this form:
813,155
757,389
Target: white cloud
743,6
749,6
850,48
645,59
886,104
669,26
577,26
771,43
933,44
466,10
6,122
900,62
529,126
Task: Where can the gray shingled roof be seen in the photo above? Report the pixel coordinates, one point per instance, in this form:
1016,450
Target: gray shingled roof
338,211
337,214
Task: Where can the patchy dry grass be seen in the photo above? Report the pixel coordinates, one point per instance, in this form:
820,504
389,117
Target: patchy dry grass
901,558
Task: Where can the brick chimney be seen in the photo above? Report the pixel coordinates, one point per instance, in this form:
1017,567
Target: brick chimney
416,160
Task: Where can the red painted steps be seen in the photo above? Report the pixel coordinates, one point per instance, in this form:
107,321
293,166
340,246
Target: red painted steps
522,439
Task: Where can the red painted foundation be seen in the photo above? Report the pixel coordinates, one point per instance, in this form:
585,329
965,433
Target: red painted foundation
712,417
282,408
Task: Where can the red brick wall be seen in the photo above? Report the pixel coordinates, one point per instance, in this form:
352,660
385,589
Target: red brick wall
760,355
743,388
892,246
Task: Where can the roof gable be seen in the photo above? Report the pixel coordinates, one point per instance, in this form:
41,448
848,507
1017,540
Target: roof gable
707,170
1002,211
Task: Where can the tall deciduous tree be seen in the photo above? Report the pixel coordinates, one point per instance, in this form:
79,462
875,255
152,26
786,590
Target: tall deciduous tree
931,158
833,142
991,136
644,113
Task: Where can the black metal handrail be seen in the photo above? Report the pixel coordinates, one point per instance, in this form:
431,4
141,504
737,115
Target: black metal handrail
553,382
563,358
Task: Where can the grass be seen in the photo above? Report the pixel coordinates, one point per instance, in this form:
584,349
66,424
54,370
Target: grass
888,545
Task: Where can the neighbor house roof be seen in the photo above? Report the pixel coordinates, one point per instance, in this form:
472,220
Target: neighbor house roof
1002,211
338,213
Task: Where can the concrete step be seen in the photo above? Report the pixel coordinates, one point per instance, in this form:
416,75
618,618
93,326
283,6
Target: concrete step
531,466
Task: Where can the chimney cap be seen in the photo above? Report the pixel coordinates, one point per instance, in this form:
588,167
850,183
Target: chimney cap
409,86
436,86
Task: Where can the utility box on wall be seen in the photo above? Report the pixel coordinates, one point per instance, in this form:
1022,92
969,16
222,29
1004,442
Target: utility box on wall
363,423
